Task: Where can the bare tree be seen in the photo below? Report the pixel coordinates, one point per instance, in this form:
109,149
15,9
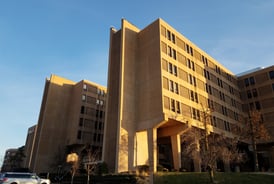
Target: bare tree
91,160
208,147
254,131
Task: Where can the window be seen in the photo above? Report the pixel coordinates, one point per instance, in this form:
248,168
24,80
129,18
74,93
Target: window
94,137
210,103
220,82
171,86
194,96
79,134
236,116
246,81
231,90
227,126
222,96
169,51
98,137
174,54
178,107
196,114
190,64
208,89
192,80
173,38
95,125
170,68
217,69
172,104
206,74
249,94
233,102
168,35
254,92
251,80
224,110
101,114
257,105
82,109
271,74
175,70
204,60
176,88
273,86
85,87
81,121
83,98
189,50
214,121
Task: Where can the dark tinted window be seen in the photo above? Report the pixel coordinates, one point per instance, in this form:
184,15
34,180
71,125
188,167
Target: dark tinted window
271,74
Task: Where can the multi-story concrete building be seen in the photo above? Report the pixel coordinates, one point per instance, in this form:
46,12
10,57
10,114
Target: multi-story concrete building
71,116
158,83
7,163
258,94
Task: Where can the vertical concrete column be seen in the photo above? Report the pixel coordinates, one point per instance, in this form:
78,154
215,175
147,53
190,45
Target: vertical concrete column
197,158
152,152
176,151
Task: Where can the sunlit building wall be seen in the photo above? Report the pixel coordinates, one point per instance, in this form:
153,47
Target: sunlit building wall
71,116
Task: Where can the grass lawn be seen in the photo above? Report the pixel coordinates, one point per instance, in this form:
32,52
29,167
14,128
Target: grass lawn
220,178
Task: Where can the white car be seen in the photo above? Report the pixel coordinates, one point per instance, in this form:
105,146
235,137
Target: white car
22,178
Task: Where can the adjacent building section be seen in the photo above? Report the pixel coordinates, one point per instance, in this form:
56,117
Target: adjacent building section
258,94
71,117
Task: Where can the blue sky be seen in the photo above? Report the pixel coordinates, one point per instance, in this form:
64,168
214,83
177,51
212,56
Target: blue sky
70,38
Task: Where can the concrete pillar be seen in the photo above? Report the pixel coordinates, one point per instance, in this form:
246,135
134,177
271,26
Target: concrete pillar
152,153
176,151
196,158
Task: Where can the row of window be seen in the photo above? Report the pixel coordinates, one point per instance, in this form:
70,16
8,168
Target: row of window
192,95
93,89
84,135
226,125
178,72
88,123
215,92
249,81
92,112
186,47
179,108
92,100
